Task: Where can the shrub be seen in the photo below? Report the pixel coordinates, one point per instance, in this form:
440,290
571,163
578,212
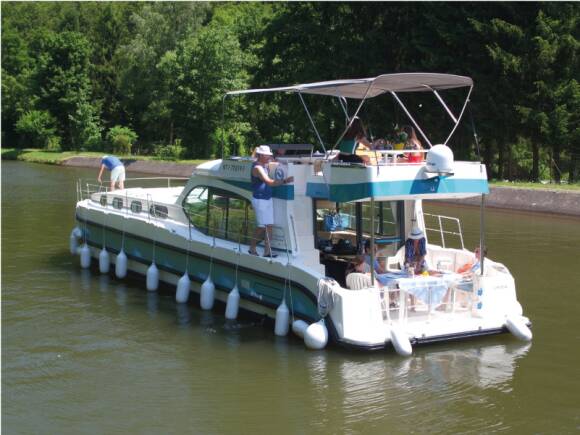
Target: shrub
169,152
120,140
85,128
37,128
54,144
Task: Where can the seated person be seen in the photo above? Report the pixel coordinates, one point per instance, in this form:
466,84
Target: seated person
467,270
354,136
379,268
358,265
473,265
415,251
412,143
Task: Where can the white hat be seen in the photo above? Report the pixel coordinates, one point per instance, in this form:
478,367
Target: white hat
264,150
416,234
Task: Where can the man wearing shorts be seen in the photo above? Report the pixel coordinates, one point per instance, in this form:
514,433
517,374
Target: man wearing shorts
262,200
117,169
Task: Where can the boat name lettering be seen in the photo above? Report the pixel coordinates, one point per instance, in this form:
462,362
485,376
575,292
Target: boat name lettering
233,168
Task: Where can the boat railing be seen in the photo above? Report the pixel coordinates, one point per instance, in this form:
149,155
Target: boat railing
402,306
443,226
388,158
85,188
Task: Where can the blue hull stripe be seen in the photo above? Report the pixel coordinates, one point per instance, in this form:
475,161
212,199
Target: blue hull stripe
434,186
280,192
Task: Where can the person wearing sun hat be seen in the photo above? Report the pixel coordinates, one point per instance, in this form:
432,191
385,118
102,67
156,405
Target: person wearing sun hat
416,250
262,199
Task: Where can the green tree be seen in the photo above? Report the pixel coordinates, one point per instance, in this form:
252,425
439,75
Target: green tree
146,66
64,88
211,63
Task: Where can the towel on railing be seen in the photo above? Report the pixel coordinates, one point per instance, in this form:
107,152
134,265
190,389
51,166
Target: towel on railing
326,295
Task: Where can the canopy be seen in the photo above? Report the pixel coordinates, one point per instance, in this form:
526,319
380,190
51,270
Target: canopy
372,87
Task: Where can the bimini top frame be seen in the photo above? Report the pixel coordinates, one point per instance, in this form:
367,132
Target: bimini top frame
363,89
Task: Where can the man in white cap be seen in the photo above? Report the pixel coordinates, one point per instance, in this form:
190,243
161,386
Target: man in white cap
262,199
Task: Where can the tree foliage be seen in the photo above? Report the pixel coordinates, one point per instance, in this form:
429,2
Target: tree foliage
71,70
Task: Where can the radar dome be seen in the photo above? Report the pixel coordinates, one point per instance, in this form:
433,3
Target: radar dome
440,159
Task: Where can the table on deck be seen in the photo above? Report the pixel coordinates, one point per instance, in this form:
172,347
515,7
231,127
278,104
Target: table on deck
429,289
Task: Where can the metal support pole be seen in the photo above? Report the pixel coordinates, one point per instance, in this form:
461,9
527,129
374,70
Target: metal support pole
482,233
312,122
372,241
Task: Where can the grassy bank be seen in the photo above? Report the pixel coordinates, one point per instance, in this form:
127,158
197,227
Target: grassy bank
55,158
529,185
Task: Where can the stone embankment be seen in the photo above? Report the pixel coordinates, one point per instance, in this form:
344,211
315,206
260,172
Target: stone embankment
564,202
167,169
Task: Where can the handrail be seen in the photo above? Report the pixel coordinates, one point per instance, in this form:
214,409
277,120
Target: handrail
442,232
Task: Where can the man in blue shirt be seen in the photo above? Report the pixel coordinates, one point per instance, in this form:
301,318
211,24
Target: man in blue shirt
117,169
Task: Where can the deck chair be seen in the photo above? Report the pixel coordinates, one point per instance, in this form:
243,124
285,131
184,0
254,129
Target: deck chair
395,263
358,281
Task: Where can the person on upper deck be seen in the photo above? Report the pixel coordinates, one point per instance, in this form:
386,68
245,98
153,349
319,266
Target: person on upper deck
354,136
412,143
415,251
117,169
262,199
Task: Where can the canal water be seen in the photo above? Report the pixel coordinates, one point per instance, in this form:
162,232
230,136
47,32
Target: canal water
84,353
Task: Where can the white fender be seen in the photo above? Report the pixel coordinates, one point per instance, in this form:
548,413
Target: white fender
299,327
282,320
207,294
121,265
233,303
182,292
401,342
85,254
316,335
517,326
152,281
75,235
104,262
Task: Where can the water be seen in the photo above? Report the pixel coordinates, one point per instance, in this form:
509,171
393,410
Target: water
83,353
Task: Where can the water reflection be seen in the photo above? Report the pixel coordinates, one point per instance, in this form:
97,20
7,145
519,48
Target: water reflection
85,277
183,315
121,296
370,388
152,304
104,283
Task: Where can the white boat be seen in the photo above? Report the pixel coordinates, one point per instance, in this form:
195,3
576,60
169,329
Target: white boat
201,233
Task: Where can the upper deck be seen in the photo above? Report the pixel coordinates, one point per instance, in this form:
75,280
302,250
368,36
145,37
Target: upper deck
388,177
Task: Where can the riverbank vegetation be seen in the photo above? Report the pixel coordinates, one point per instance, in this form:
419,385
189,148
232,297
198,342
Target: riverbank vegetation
149,78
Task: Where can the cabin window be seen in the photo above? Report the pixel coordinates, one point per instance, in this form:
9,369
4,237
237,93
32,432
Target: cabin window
195,207
136,206
220,213
159,211
118,203
103,200
351,223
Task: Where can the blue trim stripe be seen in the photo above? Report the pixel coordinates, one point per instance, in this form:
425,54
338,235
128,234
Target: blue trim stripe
317,190
436,185
281,192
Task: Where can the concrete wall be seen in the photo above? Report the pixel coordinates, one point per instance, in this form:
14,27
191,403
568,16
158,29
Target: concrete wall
566,202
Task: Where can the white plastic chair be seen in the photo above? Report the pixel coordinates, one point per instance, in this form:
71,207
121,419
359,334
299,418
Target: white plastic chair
358,281
395,263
